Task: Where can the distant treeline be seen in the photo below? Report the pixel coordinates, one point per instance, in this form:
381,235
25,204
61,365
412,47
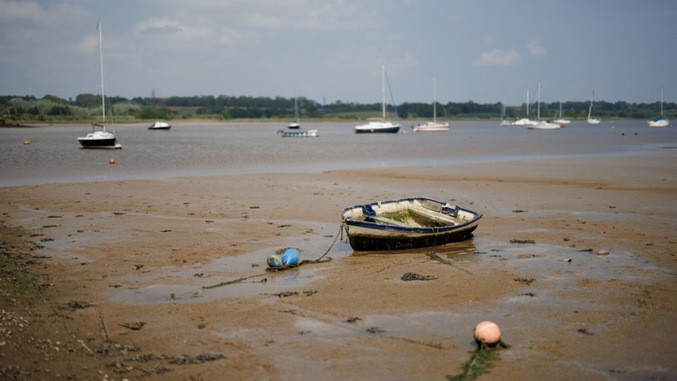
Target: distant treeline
88,106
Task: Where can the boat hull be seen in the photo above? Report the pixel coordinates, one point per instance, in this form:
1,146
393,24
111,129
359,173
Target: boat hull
299,134
371,234
431,127
543,125
376,128
159,125
659,123
97,143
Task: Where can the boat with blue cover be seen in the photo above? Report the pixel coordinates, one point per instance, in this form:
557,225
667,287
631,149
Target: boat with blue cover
407,223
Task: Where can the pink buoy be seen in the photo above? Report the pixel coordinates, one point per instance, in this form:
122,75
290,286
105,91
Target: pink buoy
487,332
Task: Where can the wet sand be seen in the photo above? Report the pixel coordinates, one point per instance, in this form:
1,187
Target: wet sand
574,259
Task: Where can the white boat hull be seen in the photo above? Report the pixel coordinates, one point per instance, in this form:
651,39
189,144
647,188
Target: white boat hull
299,134
543,125
431,127
159,125
659,123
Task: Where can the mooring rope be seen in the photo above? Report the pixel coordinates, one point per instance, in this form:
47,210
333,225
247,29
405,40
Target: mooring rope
318,260
340,233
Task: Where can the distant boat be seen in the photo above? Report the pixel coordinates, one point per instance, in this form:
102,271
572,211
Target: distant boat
160,125
542,124
659,121
561,120
99,137
383,126
593,119
525,121
504,120
298,133
407,223
296,123
433,126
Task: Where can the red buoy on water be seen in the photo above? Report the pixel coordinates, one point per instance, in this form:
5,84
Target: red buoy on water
26,142
111,161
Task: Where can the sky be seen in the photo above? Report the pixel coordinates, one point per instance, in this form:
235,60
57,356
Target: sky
332,50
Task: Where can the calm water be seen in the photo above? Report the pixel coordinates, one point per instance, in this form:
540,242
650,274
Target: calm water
191,149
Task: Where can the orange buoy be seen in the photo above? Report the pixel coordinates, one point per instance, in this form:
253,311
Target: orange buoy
26,142
111,161
487,332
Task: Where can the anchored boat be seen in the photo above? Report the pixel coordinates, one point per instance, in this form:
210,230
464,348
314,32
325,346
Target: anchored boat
407,223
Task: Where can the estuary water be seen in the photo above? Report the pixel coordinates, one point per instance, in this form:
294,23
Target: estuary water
203,149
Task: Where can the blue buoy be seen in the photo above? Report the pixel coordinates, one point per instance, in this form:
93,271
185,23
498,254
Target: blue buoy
290,257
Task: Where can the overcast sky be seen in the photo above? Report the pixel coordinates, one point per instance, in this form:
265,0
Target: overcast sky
328,50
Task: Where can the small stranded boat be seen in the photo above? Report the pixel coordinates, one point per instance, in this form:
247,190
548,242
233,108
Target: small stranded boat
407,223
298,133
160,125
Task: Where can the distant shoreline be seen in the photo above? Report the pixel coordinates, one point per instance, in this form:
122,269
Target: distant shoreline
28,123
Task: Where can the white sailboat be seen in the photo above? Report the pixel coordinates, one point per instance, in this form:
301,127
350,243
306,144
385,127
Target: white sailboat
296,123
383,126
593,119
561,120
542,124
525,121
504,120
99,137
433,126
659,121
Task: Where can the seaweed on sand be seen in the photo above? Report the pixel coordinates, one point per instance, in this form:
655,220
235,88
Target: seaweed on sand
480,362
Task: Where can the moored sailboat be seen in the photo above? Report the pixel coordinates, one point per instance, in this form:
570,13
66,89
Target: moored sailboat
383,126
560,120
434,125
660,120
99,137
542,124
592,119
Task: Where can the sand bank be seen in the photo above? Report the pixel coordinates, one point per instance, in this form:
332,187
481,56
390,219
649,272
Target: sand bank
574,259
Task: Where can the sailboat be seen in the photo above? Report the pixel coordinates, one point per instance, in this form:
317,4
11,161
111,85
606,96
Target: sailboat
383,126
542,124
561,120
525,121
99,137
296,123
593,119
504,120
659,121
433,126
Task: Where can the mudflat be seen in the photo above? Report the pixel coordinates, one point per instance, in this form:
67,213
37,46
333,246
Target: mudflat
574,259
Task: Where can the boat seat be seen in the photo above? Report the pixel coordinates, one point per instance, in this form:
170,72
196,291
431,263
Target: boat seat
388,221
435,216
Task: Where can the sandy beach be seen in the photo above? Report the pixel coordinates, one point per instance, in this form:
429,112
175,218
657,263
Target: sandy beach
574,259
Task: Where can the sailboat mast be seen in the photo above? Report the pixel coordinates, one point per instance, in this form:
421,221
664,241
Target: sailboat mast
103,99
434,100
591,101
383,91
661,100
527,103
538,115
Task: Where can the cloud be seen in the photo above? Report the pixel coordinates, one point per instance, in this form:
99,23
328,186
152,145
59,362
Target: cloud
499,57
536,48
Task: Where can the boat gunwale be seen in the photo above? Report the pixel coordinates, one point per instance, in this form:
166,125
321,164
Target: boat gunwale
410,229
